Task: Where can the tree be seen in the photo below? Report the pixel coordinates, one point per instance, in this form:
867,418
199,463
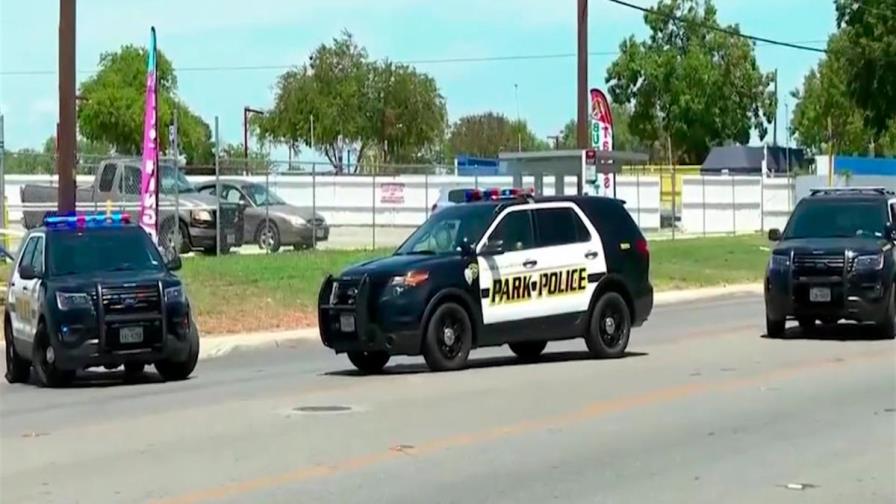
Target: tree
623,138
115,98
232,159
690,85
868,28
356,104
487,134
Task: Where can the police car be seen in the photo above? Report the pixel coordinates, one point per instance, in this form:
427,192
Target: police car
92,290
503,268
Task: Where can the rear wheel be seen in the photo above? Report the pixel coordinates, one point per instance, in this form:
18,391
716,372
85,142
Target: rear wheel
609,328
528,350
369,362
886,328
268,236
176,238
448,339
774,328
18,370
171,370
44,361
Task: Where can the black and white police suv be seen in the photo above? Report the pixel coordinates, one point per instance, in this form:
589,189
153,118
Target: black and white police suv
834,261
504,267
92,290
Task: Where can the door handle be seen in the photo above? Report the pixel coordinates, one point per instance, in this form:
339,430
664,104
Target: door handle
591,254
530,263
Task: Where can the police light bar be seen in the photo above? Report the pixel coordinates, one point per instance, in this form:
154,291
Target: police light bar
495,194
75,221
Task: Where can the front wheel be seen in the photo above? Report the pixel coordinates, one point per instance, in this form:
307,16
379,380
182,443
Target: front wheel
44,361
171,370
18,370
886,327
369,362
609,328
268,237
448,339
528,350
774,328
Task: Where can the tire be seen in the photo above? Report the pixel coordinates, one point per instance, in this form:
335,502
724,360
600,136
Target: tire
18,370
48,375
268,237
170,237
528,350
886,328
369,362
807,325
133,370
181,370
775,328
609,328
448,338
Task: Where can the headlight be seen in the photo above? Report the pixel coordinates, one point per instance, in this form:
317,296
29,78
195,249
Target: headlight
779,262
175,295
202,215
399,284
869,263
72,300
297,221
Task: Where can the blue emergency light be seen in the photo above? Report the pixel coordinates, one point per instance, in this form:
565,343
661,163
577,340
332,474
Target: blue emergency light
497,194
72,220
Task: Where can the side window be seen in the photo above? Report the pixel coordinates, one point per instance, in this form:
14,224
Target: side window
893,212
131,179
37,258
559,226
107,178
28,252
230,194
515,230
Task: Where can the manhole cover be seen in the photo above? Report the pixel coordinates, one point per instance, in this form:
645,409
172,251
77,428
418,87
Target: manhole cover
322,409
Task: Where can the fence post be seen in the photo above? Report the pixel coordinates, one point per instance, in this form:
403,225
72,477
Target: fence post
3,191
217,189
373,202
674,210
762,203
175,149
703,200
638,192
733,208
314,206
267,206
426,196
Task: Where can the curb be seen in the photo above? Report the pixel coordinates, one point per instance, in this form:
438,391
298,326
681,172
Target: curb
217,346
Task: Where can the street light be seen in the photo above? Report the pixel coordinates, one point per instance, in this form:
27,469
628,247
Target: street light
246,112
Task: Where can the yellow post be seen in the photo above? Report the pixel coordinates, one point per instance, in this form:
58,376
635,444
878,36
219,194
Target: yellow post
108,209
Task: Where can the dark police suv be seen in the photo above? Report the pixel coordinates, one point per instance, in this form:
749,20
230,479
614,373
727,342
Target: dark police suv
502,268
93,290
834,261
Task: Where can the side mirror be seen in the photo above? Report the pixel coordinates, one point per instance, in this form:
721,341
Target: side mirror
493,247
174,263
466,249
26,272
5,254
774,234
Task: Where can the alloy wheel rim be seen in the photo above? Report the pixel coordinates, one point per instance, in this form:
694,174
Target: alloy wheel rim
450,336
611,326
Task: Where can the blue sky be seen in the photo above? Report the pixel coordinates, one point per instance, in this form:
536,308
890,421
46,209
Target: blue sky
208,33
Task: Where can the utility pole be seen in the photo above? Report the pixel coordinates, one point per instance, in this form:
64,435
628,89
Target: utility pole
583,140
65,140
830,153
787,139
246,112
519,123
775,123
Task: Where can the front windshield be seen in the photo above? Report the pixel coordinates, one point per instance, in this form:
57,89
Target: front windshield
260,196
836,219
446,231
174,181
114,249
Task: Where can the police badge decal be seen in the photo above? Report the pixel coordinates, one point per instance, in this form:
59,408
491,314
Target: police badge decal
471,273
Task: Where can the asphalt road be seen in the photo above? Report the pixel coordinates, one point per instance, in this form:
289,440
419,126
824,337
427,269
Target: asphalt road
703,410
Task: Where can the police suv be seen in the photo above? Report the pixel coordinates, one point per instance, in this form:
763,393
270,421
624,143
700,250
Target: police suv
835,261
92,290
502,268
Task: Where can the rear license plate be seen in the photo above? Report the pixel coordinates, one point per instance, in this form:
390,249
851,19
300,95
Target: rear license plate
820,295
347,322
130,335
320,233
231,239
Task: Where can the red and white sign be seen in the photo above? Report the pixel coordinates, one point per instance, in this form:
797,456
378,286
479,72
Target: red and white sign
392,193
602,137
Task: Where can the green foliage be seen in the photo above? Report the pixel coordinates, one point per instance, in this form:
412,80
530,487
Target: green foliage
233,160
825,100
487,134
356,104
868,28
115,98
696,86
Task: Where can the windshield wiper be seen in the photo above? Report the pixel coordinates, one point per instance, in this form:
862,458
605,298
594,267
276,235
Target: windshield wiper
418,252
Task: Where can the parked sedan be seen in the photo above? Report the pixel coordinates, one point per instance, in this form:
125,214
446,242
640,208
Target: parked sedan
269,220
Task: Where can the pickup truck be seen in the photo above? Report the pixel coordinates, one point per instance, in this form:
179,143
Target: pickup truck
117,182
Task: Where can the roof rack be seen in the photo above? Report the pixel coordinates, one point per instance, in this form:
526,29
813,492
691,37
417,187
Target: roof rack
883,191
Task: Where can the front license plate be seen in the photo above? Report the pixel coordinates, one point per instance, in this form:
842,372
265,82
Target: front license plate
347,322
130,334
820,295
320,233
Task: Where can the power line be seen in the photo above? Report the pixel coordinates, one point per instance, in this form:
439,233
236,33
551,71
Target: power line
432,61
719,29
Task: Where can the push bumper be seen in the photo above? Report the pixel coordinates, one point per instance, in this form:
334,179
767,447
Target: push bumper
858,299
91,354
352,326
